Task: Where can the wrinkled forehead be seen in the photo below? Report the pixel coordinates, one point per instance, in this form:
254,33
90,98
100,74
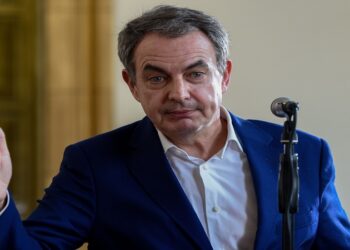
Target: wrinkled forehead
155,48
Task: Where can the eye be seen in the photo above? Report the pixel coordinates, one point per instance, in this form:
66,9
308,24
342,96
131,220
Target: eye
196,75
157,79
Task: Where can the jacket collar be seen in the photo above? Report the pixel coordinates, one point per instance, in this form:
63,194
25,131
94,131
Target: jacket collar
263,155
152,170
159,181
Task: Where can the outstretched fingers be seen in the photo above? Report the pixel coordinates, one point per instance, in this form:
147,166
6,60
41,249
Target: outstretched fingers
5,167
3,146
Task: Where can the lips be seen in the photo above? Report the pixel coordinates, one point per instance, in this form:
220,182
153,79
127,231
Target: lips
180,113
180,110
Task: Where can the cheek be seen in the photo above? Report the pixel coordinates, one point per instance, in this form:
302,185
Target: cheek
209,96
151,102
218,93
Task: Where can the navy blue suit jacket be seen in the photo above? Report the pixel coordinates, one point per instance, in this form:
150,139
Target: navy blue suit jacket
117,191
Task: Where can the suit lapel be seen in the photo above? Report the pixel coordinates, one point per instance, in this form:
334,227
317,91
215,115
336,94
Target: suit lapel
263,157
152,170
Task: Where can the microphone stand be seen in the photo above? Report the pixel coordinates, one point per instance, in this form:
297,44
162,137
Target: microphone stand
288,180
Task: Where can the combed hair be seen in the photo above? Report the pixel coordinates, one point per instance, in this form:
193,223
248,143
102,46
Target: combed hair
171,21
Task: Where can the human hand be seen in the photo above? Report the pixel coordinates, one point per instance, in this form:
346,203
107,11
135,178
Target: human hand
5,168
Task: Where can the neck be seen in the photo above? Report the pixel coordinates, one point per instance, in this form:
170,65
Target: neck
204,144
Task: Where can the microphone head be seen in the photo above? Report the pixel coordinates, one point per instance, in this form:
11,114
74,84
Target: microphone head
277,106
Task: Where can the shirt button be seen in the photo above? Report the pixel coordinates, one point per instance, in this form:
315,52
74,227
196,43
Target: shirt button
204,167
216,209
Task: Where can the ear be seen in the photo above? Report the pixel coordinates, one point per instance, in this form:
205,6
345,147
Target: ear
226,76
131,84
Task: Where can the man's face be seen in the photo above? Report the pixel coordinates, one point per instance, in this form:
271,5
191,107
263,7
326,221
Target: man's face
178,83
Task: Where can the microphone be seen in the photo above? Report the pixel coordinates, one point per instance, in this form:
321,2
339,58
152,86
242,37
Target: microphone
283,107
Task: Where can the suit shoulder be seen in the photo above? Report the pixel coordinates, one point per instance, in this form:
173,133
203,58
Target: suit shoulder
276,130
116,139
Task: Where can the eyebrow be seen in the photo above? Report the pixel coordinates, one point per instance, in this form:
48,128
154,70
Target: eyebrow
150,67
199,63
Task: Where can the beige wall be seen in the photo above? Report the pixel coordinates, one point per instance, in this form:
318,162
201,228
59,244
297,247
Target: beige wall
298,49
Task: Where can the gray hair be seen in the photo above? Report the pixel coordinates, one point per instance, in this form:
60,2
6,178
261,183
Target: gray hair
171,21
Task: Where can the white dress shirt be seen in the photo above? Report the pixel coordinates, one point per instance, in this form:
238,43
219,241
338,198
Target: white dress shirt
221,190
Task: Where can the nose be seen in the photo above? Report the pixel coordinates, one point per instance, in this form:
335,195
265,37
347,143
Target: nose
178,90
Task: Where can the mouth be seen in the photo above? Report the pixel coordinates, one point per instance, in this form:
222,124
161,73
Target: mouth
180,113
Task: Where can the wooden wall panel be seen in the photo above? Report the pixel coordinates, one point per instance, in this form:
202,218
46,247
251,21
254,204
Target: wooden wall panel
55,84
7,52
17,97
77,75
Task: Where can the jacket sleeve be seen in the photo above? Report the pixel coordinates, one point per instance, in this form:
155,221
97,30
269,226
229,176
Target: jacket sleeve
334,228
63,218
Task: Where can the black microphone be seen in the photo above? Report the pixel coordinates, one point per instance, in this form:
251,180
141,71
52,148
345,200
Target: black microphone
283,107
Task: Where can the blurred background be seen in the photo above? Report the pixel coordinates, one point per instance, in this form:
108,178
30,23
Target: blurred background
60,76
55,84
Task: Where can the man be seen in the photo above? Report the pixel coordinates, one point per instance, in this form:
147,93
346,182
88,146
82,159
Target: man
190,175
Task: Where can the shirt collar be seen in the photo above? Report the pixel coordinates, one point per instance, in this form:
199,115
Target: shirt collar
231,135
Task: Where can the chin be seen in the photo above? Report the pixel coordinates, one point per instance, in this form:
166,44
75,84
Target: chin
183,129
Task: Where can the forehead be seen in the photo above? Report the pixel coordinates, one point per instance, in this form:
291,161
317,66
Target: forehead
157,49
